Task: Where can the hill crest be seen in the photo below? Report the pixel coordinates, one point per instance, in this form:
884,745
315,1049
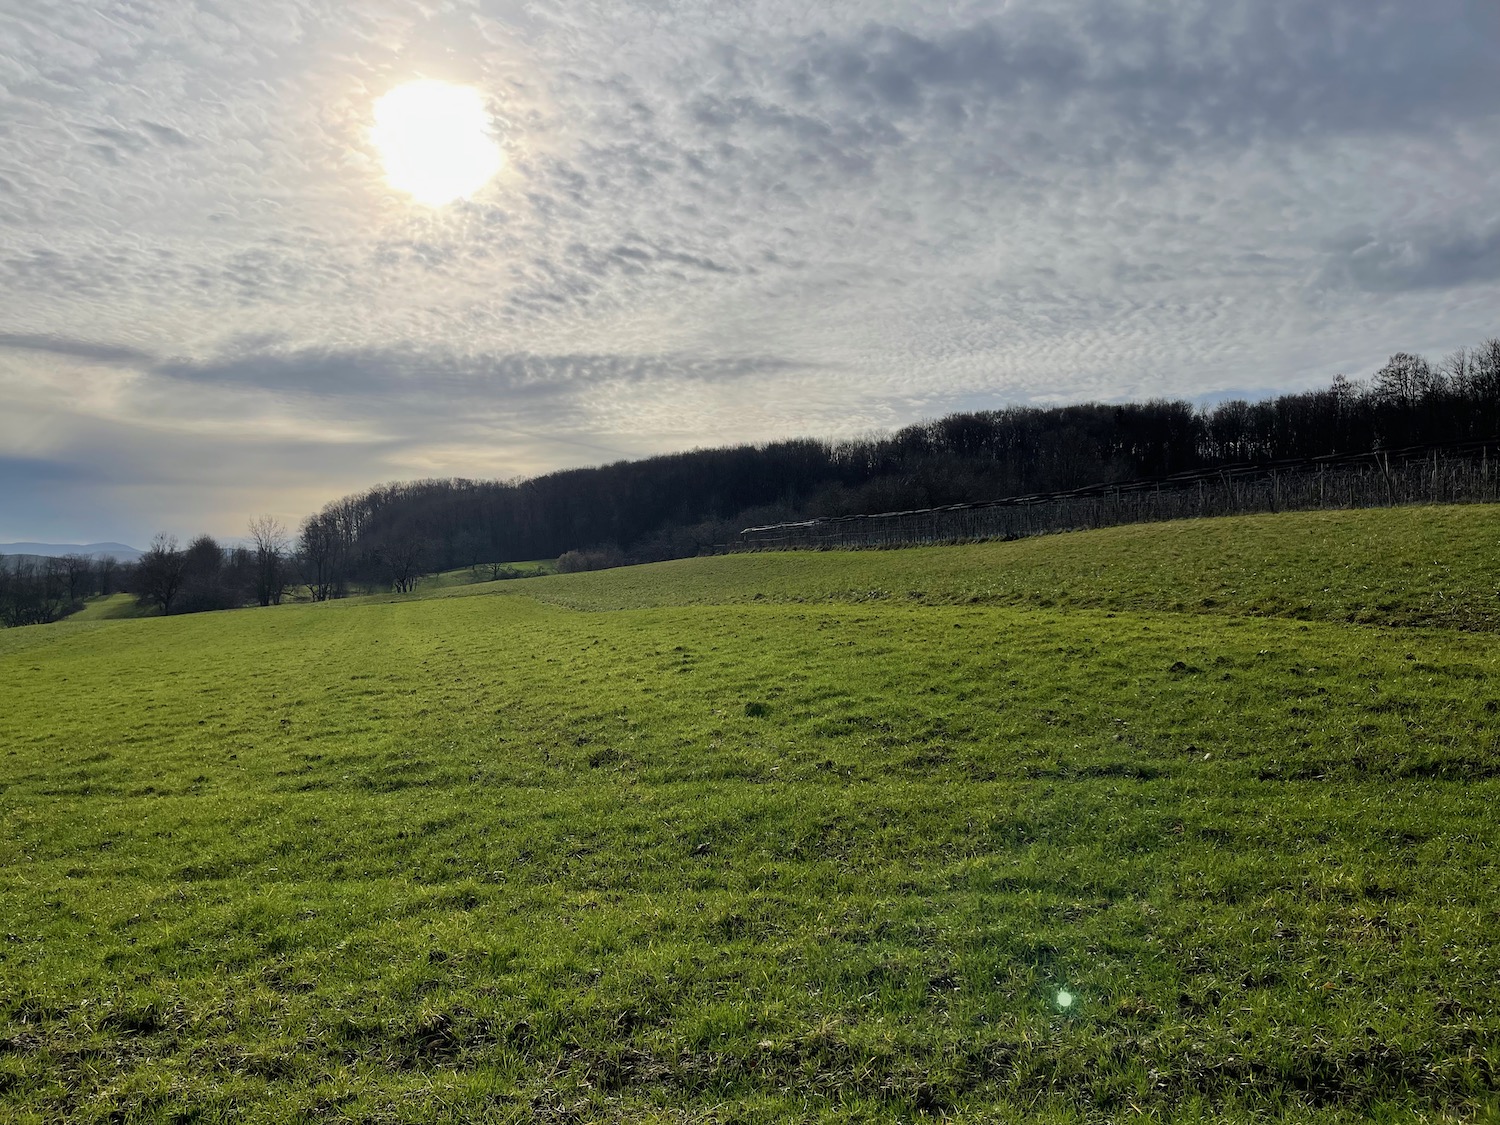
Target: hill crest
121,551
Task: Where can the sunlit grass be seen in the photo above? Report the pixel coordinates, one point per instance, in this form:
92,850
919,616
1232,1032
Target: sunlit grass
111,607
1407,566
851,857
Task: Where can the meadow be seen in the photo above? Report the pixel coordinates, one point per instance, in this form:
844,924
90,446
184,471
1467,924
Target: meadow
1189,821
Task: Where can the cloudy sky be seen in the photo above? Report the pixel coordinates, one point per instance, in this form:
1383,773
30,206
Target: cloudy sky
715,221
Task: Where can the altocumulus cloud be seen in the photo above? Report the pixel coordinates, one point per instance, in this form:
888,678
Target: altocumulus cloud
1426,258
714,223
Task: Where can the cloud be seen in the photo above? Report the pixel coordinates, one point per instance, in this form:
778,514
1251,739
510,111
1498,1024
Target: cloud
166,135
362,371
1426,258
29,473
77,349
1109,80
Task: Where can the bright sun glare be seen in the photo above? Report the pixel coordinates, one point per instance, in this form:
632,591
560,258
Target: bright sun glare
434,139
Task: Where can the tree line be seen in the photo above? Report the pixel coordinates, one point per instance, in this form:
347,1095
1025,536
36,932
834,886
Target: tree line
35,590
681,504
201,576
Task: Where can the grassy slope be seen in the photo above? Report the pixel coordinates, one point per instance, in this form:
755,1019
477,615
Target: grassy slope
1411,566
469,576
116,607
112,607
486,856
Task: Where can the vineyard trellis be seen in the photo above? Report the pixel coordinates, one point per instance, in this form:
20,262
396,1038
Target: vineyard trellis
1452,473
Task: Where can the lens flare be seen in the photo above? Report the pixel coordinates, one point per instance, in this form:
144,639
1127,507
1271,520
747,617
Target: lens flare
435,141
1064,999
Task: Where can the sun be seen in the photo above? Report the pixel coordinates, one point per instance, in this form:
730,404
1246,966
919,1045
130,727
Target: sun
435,141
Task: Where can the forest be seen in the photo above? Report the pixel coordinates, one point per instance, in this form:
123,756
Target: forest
683,504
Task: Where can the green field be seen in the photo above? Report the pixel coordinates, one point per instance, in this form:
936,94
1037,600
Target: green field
112,607
1191,821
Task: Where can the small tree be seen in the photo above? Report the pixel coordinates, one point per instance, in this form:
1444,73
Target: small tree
270,543
404,556
109,573
1405,379
159,574
78,571
207,583
54,591
318,552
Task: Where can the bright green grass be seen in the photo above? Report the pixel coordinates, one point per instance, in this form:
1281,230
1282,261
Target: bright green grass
112,607
1405,566
483,857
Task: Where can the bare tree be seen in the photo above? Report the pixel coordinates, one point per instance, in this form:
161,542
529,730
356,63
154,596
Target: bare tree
109,573
54,588
317,556
207,582
468,547
271,543
1484,371
160,573
1457,367
1404,379
23,586
405,555
78,570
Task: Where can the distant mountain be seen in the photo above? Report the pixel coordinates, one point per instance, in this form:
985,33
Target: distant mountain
56,550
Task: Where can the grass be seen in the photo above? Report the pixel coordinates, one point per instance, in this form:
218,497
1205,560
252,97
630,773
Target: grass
689,855
470,575
116,607
111,607
1435,566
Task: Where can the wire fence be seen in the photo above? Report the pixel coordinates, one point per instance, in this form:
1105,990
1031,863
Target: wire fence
1454,473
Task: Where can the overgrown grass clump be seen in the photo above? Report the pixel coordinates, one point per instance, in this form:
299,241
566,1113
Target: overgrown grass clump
1016,831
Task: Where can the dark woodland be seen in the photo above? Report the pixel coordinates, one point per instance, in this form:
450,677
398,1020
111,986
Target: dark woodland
683,504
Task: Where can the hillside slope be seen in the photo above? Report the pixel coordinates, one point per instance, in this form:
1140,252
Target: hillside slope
826,855
1434,566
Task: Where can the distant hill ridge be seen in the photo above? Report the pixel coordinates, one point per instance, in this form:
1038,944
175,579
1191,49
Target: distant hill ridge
120,551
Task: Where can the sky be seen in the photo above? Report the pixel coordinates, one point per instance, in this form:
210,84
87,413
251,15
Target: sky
713,222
